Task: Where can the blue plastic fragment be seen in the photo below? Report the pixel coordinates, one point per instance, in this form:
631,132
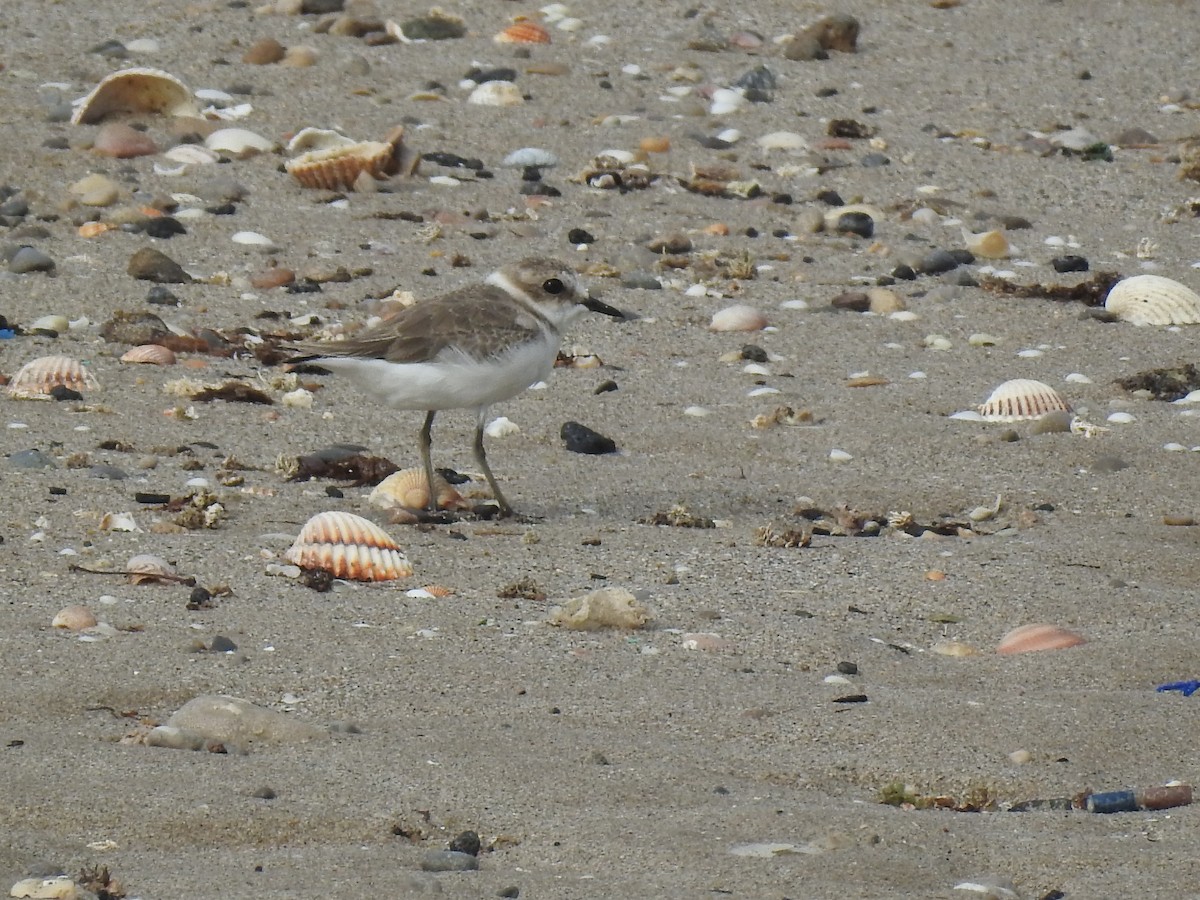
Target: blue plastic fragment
1112,801
7,334
1187,688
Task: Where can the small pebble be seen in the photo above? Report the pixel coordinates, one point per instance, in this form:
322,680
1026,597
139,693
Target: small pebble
449,861
581,439
122,141
148,264
30,259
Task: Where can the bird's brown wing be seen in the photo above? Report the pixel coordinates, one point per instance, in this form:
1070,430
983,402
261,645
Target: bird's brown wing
478,321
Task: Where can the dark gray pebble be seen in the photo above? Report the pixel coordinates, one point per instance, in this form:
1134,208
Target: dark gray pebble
855,223
164,227
580,236
467,842
30,259
936,263
149,264
222,644
581,439
30,459
14,206
874,161
111,473
846,667
61,393
754,353
264,793
1072,263
641,281
449,861
161,296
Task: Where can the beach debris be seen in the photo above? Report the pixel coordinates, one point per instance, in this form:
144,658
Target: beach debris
1153,300
989,887
496,93
1090,292
1171,384
436,25
340,463
137,90
1186,688
976,798
348,546
39,378
336,162
679,516
1021,399
988,244
580,439
232,721
1166,797
606,608
60,887
409,489
1034,638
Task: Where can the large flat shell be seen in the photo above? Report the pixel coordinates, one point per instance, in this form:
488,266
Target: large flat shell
1022,398
1153,300
38,377
349,546
136,91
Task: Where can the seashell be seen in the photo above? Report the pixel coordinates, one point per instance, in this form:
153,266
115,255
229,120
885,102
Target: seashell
121,521
55,324
150,354
310,138
38,377
988,244
192,155
530,156
1022,398
523,32
783,140
74,618
726,100
738,317
337,168
1153,300
953,648
239,142
496,93
1029,638
606,608
135,90
409,489
146,567
95,229
348,546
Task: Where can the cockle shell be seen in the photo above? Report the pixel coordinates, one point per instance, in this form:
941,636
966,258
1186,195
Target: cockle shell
136,90
339,167
38,377
348,546
145,568
409,489
1029,638
1153,300
74,618
523,32
1022,398
496,93
150,354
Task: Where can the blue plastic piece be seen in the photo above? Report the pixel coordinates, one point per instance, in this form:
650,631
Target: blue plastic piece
1112,801
1187,688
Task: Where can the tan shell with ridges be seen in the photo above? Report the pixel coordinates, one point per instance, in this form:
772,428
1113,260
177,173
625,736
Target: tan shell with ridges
135,91
408,489
1022,398
1031,638
348,546
38,377
150,355
523,32
1153,300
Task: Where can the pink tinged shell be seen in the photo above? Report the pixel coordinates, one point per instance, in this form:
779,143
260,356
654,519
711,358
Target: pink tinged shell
38,377
738,317
1022,398
150,355
74,618
1029,638
348,546
139,90
120,141
409,489
523,32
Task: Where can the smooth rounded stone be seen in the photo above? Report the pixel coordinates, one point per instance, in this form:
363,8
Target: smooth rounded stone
222,644
264,52
449,861
804,47
641,281
58,887
859,223
837,32
14,206
121,141
172,738
110,473
237,721
1052,423
467,842
163,227
581,439
855,301
31,459
30,259
149,264
1069,263
135,328
110,49
161,296
936,263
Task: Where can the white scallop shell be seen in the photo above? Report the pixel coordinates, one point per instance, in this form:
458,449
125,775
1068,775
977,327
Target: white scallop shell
239,142
38,377
1153,300
1022,398
348,546
409,489
136,90
496,93
150,354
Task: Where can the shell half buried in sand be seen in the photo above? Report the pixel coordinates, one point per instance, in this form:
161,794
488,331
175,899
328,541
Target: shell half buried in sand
339,165
409,489
1021,399
348,546
1032,638
1153,300
136,91
523,32
38,377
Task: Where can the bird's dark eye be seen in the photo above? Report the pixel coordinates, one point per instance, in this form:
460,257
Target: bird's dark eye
553,286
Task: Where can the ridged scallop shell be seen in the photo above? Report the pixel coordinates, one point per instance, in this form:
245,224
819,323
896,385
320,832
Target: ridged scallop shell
136,90
1029,638
349,546
150,354
338,167
146,567
1153,300
408,489
38,377
1022,398
523,32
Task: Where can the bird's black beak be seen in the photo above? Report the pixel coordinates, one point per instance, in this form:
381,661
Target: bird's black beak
599,306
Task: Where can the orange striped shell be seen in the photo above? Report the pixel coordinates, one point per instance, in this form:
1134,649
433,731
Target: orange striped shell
1029,638
524,31
38,377
1022,398
348,546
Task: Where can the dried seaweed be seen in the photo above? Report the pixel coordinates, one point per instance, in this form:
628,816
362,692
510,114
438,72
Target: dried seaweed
1091,292
1164,384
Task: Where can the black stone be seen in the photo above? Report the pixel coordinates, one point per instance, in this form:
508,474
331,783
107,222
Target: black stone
1069,264
754,353
540,189
164,227
581,439
467,842
452,160
904,273
936,263
855,223
61,392
220,643
847,668
580,236
830,198
963,256
161,296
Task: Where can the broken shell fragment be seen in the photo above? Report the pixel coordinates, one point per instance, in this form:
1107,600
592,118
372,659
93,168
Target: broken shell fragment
337,164
136,91
145,568
238,142
605,608
1030,638
74,618
738,317
38,377
409,489
150,355
523,32
988,244
1020,399
348,546
496,93
1153,300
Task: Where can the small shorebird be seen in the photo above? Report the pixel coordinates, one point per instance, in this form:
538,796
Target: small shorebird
465,349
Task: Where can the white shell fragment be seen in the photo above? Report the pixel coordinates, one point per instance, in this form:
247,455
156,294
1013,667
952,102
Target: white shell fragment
605,608
496,93
348,546
239,142
135,91
1153,300
38,377
1022,398
738,317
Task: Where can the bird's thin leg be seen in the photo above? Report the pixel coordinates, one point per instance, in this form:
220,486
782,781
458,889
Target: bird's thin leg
425,441
481,458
